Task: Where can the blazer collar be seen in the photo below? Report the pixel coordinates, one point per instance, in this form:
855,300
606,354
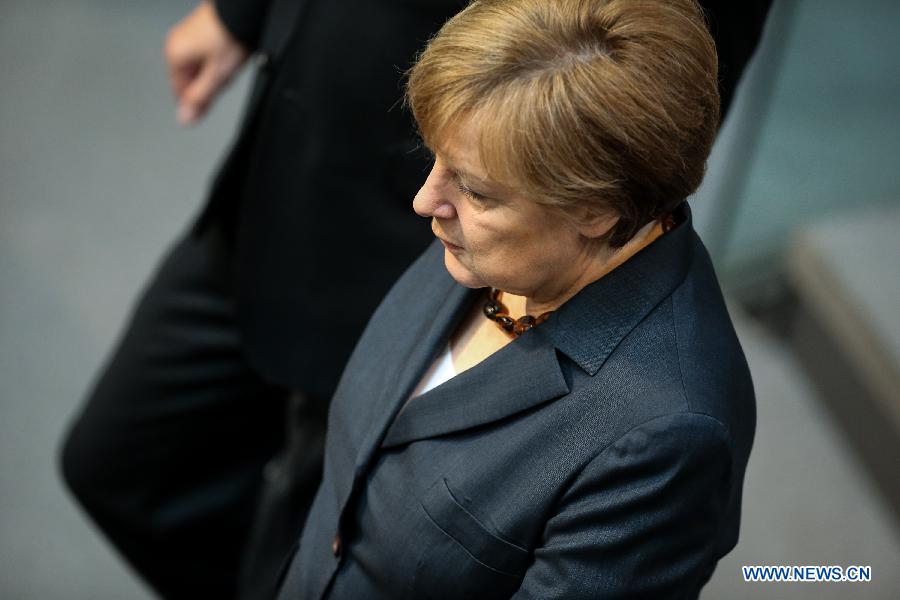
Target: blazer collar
589,326
527,372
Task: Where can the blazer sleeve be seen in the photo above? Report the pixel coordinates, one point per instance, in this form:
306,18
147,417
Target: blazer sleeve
641,520
243,18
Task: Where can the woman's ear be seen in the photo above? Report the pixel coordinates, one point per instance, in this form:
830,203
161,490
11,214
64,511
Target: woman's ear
593,223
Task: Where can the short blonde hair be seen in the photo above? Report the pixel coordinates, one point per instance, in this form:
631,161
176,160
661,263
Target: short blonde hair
610,104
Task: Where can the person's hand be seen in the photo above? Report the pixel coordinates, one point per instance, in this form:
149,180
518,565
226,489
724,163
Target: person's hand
201,57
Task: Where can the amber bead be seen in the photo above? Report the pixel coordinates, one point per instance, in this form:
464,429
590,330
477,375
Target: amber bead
506,322
495,310
523,324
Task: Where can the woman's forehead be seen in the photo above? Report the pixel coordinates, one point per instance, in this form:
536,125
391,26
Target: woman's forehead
460,146
459,149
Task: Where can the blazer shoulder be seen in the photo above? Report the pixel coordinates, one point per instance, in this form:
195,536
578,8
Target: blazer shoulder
683,357
677,432
713,367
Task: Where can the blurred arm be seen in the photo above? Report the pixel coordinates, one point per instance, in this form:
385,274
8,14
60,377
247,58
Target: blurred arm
202,54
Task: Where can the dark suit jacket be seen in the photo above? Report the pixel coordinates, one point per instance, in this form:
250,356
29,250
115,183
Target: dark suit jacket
319,183
599,455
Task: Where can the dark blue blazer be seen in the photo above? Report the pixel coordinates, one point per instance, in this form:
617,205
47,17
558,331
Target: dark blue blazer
600,455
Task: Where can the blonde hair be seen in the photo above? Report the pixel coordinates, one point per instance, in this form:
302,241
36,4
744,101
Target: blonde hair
609,104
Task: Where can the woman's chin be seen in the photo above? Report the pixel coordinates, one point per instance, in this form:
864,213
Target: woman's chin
460,272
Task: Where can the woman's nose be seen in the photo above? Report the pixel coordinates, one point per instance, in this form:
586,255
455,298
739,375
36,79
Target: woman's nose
431,200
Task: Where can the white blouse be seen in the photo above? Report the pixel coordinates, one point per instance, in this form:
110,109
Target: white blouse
441,370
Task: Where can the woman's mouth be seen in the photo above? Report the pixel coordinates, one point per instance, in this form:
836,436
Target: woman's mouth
449,246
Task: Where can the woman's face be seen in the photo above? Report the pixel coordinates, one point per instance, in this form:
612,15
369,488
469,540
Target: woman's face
494,236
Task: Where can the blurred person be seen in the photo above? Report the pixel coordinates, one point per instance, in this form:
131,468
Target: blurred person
235,347
552,401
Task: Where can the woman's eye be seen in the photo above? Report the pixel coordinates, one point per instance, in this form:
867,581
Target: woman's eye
470,192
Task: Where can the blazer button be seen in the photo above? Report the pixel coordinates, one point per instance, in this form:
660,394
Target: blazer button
336,545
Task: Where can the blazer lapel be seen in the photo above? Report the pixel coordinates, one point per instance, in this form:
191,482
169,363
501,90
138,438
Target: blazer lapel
521,375
451,304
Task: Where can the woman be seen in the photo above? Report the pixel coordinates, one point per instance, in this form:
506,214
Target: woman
551,402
